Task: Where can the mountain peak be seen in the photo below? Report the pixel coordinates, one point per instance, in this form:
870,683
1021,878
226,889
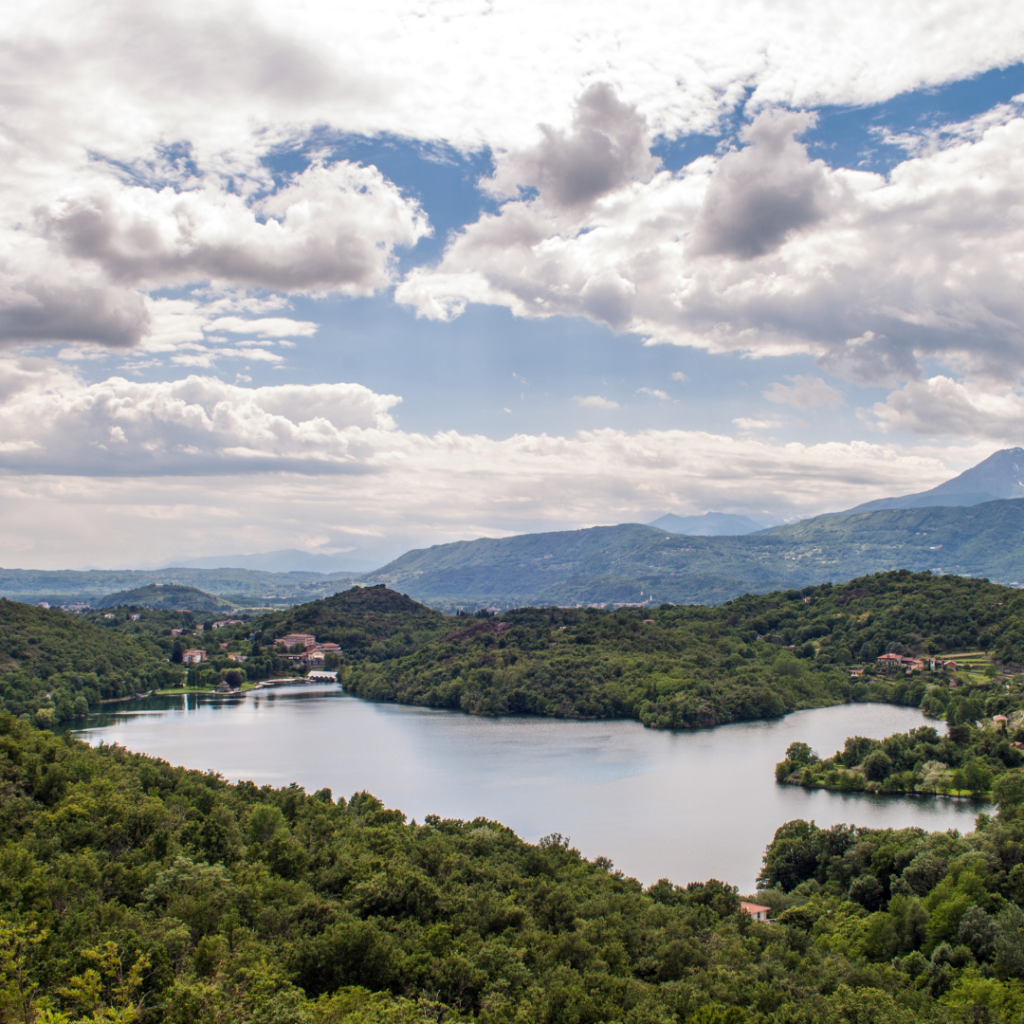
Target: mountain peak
710,524
1001,475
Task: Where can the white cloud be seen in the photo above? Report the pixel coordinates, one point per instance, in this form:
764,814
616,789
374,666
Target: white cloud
103,461
745,423
680,376
135,136
330,229
653,392
940,406
199,424
276,327
768,252
595,402
805,393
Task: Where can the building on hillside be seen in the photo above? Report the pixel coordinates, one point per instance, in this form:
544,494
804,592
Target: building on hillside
193,657
999,721
330,648
234,656
227,622
296,639
949,666
901,661
755,910
315,659
855,672
322,677
43,604
175,632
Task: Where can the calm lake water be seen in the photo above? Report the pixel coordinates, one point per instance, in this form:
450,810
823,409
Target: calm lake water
686,806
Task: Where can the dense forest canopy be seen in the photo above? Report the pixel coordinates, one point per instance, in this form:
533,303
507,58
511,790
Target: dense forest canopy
372,623
134,891
967,760
693,666
54,665
672,667
165,596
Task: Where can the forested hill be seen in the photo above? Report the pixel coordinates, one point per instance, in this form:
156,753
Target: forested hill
53,665
694,666
634,563
132,891
164,597
366,622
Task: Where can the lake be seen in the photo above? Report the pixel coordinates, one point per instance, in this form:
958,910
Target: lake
685,805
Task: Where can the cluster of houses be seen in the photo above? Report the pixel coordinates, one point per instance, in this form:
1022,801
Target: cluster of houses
899,661
916,664
312,655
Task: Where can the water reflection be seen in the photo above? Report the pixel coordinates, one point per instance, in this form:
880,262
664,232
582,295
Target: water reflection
680,805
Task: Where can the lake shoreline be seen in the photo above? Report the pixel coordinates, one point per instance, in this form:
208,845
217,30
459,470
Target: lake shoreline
687,804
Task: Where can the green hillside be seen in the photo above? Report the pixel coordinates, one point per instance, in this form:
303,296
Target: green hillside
132,891
366,622
53,665
694,666
634,563
165,597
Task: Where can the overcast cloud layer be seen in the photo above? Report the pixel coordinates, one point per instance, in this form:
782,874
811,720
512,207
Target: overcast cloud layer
146,206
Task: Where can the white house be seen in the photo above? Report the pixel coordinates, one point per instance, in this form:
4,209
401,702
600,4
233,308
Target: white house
755,910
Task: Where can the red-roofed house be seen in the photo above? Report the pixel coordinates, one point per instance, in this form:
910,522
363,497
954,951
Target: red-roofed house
755,910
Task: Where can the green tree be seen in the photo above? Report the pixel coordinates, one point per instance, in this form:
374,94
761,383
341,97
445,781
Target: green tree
877,766
977,776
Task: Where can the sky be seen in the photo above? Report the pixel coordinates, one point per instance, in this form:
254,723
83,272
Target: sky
352,279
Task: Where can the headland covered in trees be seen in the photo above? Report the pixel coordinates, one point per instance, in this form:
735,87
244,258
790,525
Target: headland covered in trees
671,667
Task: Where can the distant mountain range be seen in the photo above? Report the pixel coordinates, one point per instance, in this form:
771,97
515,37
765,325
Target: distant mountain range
238,587
972,525
643,564
711,524
287,560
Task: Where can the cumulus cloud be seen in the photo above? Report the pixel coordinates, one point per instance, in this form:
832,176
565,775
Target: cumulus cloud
653,392
199,424
275,326
45,298
805,393
107,460
941,406
762,193
595,402
331,229
747,424
137,135
763,250
607,146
